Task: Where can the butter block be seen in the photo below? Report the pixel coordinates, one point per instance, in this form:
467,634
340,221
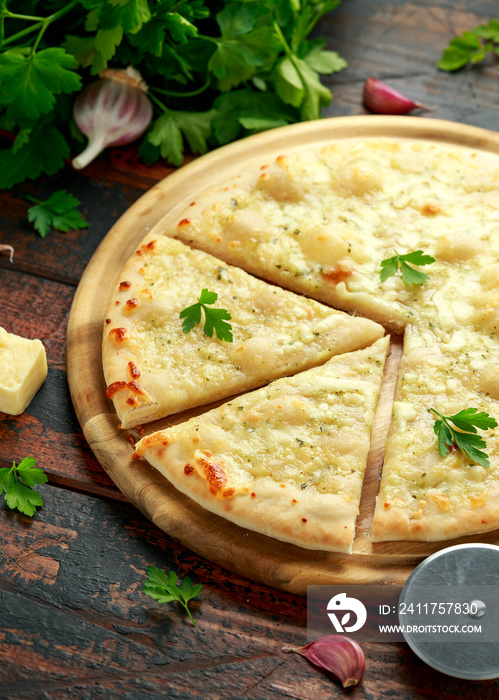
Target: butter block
23,369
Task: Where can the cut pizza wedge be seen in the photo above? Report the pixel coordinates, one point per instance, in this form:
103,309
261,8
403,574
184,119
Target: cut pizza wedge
153,368
424,495
286,460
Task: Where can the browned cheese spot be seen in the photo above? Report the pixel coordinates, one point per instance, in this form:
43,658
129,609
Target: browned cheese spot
338,273
134,370
430,210
131,305
113,388
118,334
215,476
125,285
135,388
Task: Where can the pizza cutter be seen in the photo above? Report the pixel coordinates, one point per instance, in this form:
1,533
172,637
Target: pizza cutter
449,611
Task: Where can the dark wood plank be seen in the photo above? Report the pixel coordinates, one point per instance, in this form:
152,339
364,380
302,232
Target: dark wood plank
401,42
76,624
48,430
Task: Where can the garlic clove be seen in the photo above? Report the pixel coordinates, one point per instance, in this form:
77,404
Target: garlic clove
382,99
337,654
111,111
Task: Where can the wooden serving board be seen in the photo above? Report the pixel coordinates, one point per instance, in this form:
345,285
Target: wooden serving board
258,557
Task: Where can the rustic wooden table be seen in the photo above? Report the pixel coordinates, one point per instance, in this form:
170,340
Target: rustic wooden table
73,620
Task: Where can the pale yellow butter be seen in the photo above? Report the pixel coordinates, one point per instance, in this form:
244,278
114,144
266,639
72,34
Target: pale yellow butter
23,369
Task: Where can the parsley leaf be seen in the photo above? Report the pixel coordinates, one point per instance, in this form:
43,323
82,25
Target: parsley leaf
247,43
465,437
166,133
389,267
31,81
214,318
21,495
247,109
44,149
468,48
322,61
165,589
58,211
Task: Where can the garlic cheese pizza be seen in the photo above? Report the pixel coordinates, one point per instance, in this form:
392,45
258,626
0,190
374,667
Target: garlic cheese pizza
395,232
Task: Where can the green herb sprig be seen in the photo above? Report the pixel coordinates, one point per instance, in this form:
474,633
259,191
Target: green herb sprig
410,276
465,438
165,589
214,319
20,495
471,46
216,71
58,211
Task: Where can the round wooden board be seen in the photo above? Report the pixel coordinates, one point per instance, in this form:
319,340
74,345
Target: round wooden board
258,557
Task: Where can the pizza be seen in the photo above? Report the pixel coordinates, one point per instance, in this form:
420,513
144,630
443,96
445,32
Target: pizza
324,225
154,369
286,460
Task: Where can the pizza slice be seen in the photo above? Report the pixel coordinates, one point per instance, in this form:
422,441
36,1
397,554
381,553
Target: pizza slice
154,368
286,460
424,495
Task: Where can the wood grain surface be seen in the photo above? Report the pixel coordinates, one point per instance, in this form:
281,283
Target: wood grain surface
261,558
74,623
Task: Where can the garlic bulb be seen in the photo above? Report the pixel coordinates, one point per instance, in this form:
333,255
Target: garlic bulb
337,654
111,111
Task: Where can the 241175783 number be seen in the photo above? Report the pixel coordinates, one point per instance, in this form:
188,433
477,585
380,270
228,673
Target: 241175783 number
438,608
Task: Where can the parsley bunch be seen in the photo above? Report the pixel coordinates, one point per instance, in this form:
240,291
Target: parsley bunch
471,47
216,71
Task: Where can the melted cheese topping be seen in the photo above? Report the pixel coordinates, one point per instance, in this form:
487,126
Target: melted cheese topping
274,331
310,431
353,205
447,376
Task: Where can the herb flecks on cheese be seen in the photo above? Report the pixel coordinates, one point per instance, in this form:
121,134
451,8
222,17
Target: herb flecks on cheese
321,224
286,460
275,333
